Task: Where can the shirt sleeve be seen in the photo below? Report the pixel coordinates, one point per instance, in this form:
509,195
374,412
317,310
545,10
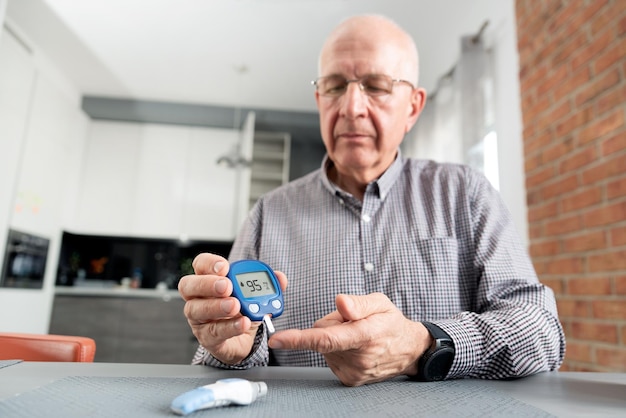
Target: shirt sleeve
259,355
514,330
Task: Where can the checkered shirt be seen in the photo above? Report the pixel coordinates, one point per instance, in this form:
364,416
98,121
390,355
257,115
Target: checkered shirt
435,238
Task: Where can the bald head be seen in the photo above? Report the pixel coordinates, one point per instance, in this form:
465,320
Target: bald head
373,32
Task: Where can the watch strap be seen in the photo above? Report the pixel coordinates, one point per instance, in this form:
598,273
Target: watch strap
436,332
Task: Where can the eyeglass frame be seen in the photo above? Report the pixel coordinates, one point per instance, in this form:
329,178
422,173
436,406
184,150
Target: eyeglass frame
360,84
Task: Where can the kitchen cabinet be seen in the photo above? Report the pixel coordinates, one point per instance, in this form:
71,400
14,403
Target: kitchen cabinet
211,192
42,129
107,189
17,77
127,328
159,192
154,180
50,161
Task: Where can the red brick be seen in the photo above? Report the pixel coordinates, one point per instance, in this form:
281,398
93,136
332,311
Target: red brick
614,144
621,26
602,126
605,169
561,266
616,188
563,225
608,261
532,162
558,149
606,215
597,87
571,84
605,18
592,8
548,118
535,231
587,51
594,331
561,186
615,358
562,16
573,308
582,199
529,81
609,309
552,79
576,120
539,177
531,114
578,159
612,99
529,133
534,197
543,211
537,143
620,289
543,249
589,286
618,236
555,284
578,351
611,56
585,241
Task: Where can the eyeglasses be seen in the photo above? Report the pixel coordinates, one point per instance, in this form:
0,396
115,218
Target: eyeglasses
373,85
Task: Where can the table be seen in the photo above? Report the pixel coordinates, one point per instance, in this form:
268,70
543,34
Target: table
112,389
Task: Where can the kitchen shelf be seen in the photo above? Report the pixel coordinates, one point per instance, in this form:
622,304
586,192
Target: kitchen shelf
270,163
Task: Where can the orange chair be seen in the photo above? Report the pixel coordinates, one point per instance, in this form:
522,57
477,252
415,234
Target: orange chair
46,347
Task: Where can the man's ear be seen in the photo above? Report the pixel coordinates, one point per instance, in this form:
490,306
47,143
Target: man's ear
416,105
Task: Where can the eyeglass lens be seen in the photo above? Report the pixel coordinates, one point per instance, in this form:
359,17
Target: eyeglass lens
372,85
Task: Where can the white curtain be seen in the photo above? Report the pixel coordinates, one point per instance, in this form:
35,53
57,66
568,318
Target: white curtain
457,124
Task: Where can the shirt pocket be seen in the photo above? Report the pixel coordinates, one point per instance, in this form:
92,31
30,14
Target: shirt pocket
432,285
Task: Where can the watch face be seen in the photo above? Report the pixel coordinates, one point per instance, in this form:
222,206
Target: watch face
438,364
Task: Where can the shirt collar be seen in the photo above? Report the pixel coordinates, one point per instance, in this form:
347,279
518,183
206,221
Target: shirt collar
384,182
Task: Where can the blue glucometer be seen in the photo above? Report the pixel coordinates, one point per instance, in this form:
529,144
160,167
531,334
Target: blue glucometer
256,287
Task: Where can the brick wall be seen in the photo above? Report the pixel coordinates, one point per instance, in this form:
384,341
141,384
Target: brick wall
573,88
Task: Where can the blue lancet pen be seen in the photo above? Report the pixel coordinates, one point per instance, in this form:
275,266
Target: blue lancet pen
224,392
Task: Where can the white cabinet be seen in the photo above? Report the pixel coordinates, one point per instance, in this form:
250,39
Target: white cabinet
42,130
159,193
51,154
160,181
211,189
17,75
107,189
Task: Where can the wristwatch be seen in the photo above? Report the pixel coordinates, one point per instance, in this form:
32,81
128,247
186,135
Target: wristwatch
435,363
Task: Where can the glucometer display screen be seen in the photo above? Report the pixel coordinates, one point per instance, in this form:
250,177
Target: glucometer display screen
255,284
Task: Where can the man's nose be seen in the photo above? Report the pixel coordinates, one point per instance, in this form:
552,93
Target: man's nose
354,100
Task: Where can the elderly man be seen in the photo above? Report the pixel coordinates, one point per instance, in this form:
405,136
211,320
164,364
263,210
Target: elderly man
395,266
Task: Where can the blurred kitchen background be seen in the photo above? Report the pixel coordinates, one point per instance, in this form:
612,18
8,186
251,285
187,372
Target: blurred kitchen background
135,134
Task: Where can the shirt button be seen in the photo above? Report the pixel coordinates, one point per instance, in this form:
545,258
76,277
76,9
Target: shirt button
366,218
341,202
369,266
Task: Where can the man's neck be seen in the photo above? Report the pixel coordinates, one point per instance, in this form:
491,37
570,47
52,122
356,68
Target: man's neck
355,185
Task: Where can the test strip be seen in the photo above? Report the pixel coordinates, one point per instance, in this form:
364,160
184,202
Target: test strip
267,320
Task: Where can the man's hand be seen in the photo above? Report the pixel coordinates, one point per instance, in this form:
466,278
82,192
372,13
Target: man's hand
366,340
213,314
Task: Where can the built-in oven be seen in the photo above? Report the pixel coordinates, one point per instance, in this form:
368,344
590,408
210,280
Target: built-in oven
24,263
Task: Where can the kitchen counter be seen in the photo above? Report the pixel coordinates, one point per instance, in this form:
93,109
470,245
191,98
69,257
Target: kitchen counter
118,291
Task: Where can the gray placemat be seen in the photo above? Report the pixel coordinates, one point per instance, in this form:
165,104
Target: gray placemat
7,363
139,397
